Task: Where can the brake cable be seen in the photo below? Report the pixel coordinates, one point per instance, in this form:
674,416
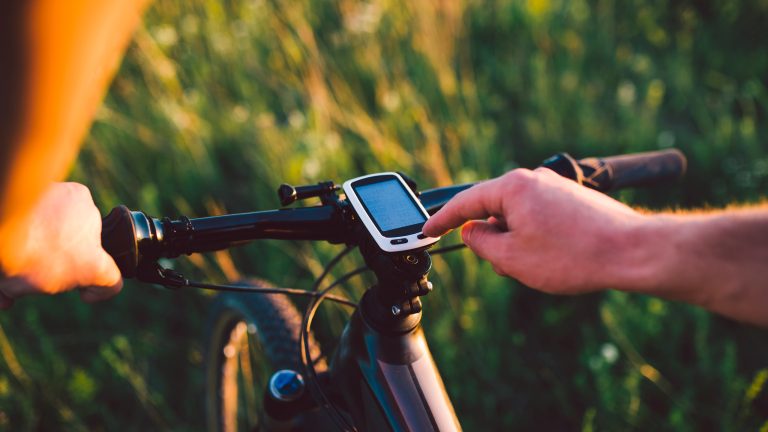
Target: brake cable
317,296
306,356
447,249
263,290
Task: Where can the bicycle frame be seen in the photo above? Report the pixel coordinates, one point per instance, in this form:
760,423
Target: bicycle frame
382,373
390,381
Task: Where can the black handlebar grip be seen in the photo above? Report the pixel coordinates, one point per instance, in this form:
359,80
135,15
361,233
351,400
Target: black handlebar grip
118,238
639,169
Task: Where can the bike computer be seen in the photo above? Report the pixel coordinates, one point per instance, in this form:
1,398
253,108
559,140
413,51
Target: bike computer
389,211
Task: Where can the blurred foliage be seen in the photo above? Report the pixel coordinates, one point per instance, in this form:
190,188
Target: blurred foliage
217,102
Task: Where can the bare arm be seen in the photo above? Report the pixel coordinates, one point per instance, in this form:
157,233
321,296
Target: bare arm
71,50
559,237
58,58
717,260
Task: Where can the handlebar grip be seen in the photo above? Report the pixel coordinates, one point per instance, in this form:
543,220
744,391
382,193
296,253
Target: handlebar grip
118,238
639,169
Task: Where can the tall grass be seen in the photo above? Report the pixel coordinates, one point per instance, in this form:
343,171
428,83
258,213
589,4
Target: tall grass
218,102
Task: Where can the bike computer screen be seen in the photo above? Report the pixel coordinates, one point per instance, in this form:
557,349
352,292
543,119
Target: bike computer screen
389,210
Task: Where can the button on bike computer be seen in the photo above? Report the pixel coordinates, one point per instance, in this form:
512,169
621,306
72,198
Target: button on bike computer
389,211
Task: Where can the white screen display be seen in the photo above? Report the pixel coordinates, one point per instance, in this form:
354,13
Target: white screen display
389,205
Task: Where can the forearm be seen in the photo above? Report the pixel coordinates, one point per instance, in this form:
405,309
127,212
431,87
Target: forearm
718,261
561,238
71,50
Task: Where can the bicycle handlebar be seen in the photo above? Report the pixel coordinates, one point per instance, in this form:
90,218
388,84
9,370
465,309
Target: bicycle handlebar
128,236
618,172
643,169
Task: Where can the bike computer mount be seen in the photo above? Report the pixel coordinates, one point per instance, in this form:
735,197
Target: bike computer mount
401,268
385,204
389,211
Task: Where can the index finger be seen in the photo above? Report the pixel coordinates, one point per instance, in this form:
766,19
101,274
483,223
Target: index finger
478,202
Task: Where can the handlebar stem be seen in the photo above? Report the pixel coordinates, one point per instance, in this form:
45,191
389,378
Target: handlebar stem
393,304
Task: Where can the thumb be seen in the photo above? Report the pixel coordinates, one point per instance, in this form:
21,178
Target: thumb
106,280
485,239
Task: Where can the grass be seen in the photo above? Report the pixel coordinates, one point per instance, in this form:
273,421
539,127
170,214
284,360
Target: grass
218,102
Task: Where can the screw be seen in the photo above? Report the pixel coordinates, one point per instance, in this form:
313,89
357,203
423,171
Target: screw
412,259
396,310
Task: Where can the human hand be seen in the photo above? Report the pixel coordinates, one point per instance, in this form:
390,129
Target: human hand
58,249
546,231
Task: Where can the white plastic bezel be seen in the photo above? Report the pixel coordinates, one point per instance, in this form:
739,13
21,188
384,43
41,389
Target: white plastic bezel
384,242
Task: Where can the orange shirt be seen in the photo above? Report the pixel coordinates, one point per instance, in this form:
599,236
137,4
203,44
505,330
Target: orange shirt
56,66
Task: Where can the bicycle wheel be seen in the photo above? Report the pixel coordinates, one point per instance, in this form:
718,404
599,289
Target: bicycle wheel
250,336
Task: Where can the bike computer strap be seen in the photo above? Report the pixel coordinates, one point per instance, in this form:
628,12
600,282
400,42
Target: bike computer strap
389,211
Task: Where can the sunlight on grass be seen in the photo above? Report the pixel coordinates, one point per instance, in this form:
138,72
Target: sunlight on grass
217,103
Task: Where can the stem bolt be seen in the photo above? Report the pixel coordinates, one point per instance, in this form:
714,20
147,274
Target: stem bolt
396,310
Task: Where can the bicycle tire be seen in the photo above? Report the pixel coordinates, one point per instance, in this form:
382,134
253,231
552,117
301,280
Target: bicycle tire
268,327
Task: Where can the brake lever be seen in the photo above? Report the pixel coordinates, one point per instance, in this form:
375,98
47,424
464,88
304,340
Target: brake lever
152,272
